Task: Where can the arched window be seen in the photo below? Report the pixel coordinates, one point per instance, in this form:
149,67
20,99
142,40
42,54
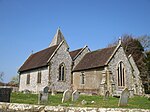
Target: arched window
61,72
121,74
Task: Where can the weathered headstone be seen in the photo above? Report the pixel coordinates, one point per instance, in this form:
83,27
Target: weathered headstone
43,96
123,101
131,93
106,96
66,95
5,94
46,89
75,95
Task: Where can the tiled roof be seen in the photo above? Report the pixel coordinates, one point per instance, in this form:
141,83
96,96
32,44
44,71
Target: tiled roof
74,53
95,59
38,59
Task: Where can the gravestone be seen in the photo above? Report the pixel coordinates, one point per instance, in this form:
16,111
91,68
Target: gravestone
75,95
46,89
66,95
106,96
123,101
5,94
43,96
131,93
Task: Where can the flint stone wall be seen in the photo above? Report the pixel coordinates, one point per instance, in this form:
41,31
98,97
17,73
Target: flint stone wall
14,107
137,80
62,56
34,86
118,57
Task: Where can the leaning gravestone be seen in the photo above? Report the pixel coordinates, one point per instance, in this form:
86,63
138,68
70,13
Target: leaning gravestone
5,94
123,101
66,95
75,95
43,96
106,96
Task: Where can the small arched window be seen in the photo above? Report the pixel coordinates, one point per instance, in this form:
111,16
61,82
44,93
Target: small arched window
61,72
121,74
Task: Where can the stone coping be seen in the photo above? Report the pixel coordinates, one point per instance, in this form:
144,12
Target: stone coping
16,107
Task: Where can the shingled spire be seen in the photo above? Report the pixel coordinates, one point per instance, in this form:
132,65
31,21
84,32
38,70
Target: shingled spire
58,38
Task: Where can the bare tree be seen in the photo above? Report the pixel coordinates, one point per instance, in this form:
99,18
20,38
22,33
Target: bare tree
145,41
15,79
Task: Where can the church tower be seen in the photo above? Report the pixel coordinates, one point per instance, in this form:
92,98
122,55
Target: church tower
58,38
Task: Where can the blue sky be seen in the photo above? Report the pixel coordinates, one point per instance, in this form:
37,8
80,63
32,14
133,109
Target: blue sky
27,25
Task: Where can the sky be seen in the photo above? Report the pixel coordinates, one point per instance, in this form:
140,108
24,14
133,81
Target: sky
29,25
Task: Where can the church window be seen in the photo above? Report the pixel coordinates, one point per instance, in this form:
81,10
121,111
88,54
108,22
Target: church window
121,74
61,72
82,78
39,77
28,79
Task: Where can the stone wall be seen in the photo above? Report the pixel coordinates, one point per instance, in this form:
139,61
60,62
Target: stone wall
34,86
92,78
62,56
14,107
113,64
138,87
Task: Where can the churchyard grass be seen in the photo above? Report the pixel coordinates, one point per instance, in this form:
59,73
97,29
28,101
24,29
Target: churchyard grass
136,102
24,98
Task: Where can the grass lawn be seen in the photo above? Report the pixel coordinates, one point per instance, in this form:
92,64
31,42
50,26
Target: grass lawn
136,102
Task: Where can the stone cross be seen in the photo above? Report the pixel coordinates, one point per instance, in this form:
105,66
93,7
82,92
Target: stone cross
106,96
75,95
66,95
123,101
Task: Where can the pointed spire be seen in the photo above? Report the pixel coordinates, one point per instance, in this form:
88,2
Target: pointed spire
58,38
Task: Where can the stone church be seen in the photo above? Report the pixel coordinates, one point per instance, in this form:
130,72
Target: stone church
91,72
